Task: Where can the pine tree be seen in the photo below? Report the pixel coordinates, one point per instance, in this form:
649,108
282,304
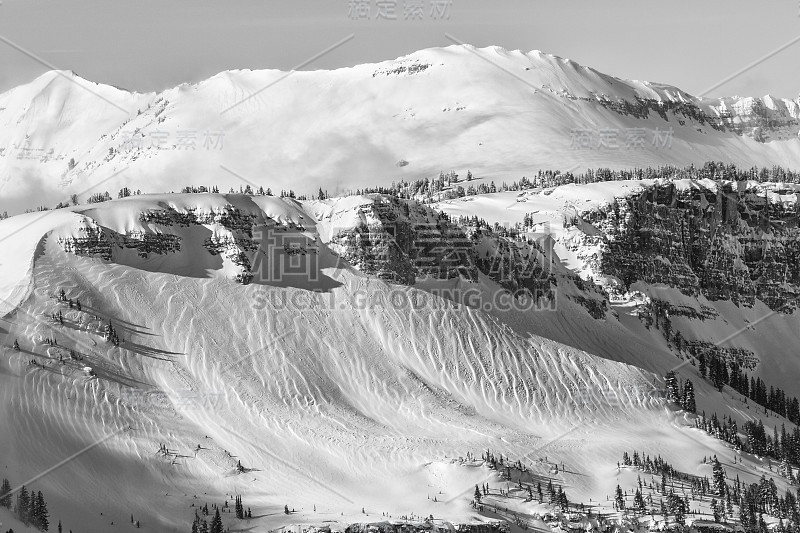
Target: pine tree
638,501
688,397
673,390
719,477
194,527
16,345
677,507
5,494
561,498
216,523
42,516
619,499
477,495
33,509
21,507
239,508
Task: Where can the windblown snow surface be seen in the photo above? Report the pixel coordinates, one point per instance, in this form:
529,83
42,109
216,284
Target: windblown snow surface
496,112
340,402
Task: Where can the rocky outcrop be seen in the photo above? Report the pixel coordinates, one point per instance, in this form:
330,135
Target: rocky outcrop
232,236
763,119
725,241
401,240
151,243
91,241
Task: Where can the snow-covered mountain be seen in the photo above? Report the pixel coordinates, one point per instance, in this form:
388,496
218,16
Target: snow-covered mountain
425,358
347,398
499,113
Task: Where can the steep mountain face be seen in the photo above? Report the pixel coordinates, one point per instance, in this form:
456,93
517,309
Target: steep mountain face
685,266
726,241
764,119
709,242
354,378
289,392
396,240
499,113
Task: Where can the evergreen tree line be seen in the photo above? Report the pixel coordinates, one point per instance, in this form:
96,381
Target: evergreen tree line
726,430
656,465
720,372
447,185
555,493
759,498
782,446
29,507
754,500
201,525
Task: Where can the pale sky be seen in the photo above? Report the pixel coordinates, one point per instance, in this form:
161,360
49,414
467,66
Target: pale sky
147,45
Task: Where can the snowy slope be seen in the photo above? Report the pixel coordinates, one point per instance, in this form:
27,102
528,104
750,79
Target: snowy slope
342,410
499,113
622,336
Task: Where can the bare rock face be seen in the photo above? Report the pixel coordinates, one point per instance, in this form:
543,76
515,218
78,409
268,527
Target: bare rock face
232,237
726,243
401,240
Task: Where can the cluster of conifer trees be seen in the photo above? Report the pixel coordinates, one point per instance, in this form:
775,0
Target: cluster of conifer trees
680,393
29,507
239,508
447,185
555,493
721,372
754,500
201,525
111,334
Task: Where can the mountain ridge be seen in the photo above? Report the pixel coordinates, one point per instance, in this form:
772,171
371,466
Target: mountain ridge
500,114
